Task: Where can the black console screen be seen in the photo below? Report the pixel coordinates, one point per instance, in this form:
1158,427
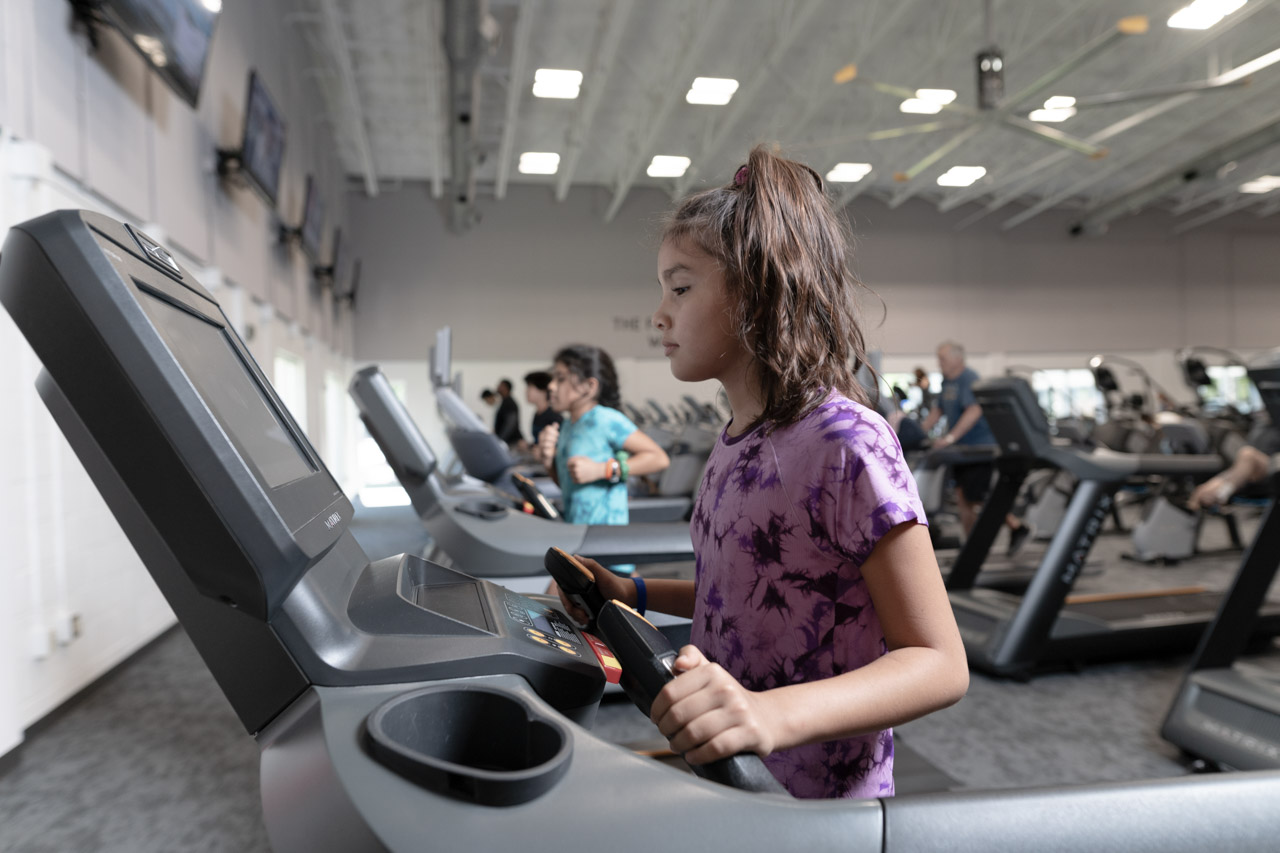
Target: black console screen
229,389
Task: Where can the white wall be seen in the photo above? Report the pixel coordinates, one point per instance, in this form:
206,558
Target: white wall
102,132
536,274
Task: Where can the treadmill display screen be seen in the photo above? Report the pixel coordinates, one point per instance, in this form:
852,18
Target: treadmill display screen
229,389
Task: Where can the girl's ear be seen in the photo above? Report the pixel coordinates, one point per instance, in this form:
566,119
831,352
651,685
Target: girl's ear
593,387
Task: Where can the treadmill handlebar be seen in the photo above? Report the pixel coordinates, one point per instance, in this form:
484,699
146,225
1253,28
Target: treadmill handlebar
1104,464
656,542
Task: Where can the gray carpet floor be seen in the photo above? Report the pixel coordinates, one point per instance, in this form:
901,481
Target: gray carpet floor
151,757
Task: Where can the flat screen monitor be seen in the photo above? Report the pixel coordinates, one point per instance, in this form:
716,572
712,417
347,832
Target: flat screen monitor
442,357
262,148
156,372
173,36
312,220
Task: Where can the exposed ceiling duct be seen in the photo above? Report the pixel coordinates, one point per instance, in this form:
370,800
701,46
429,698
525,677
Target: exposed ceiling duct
467,30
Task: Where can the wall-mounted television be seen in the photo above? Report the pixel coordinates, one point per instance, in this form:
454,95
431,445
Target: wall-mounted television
173,36
261,152
312,229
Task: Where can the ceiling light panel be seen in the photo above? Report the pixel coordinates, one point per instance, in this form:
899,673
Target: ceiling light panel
667,166
1265,184
539,163
1052,115
563,83
920,106
848,173
717,91
961,176
936,96
1203,14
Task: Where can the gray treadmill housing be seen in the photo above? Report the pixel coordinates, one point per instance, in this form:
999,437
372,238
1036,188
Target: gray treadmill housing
322,787
479,529
188,444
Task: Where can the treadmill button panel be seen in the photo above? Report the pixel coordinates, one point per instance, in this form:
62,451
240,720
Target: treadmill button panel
544,626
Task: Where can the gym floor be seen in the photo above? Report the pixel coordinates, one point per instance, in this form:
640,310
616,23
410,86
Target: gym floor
151,757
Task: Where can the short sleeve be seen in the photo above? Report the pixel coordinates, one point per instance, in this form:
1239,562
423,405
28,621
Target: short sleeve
964,393
868,488
617,427
1266,438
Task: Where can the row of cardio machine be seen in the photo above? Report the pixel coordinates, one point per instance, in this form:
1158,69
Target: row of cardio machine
1227,711
402,705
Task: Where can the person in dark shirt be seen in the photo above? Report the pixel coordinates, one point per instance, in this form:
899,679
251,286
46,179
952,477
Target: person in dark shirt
537,393
966,426
506,421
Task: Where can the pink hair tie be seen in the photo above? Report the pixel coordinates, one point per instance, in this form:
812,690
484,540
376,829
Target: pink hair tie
741,177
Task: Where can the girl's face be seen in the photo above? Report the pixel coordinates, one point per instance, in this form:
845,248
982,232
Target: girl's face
568,391
696,316
536,397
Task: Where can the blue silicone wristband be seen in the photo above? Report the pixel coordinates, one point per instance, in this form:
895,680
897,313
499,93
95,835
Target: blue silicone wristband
642,595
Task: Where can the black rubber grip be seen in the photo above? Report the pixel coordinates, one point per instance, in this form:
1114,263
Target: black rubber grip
646,658
576,580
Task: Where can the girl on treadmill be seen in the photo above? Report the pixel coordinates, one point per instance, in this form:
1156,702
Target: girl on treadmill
593,452
819,615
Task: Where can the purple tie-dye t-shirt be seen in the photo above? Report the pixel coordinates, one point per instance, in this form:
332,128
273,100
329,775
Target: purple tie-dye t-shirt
781,528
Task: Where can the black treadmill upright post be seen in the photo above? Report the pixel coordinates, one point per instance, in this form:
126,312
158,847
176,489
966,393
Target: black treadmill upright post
1020,645
964,571
1233,625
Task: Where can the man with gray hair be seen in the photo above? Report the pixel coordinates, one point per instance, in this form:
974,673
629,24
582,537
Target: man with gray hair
965,426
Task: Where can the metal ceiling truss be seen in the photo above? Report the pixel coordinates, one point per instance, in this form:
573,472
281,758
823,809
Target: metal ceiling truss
745,98
1208,163
1134,157
335,40
648,125
612,23
526,11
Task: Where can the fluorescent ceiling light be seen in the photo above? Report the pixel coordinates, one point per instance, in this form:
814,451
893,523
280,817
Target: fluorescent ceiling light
1203,14
920,105
1059,102
214,6
936,96
848,173
1048,114
667,166
1265,184
556,83
711,90
539,163
961,176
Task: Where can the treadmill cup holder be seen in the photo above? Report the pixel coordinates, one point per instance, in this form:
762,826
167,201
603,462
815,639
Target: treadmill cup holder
478,744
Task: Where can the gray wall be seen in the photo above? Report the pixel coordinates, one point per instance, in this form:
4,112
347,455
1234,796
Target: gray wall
534,274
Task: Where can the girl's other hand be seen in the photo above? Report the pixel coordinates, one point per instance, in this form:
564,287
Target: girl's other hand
706,714
546,449
611,586
584,469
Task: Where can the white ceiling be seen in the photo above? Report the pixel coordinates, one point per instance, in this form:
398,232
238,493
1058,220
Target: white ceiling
386,78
